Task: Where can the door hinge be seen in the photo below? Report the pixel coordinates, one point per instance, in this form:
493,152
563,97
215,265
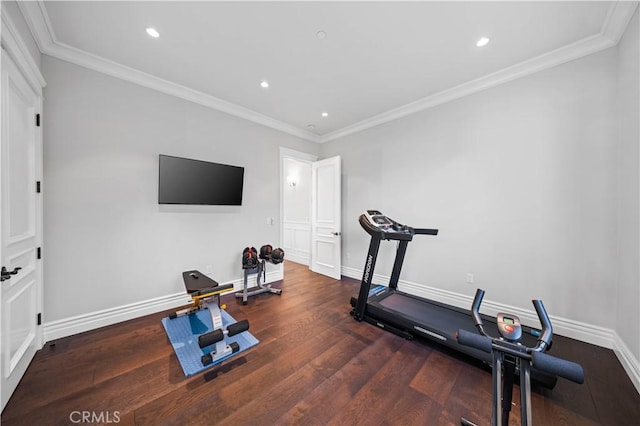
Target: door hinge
38,187
37,120
39,319
39,253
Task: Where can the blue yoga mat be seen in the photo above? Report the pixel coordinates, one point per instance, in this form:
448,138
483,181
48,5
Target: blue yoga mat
183,333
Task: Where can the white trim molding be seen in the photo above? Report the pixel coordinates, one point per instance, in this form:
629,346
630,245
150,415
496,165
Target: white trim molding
584,332
629,362
114,69
616,21
297,258
551,59
252,280
297,155
90,321
17,49
38,21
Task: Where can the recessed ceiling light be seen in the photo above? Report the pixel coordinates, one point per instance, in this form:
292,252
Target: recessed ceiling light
483,41
321,35
153,32
325,114
264,84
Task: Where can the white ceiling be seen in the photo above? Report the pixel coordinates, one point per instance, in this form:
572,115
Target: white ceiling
379,60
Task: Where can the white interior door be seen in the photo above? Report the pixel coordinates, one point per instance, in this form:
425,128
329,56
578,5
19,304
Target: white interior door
326,224
21,227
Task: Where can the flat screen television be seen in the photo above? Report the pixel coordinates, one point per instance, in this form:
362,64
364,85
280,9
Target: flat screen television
186,181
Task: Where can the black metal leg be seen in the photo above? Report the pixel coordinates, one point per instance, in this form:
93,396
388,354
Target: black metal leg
496,418
526,417
507,389
397,264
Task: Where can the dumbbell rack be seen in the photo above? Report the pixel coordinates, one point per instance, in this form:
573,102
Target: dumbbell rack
261,288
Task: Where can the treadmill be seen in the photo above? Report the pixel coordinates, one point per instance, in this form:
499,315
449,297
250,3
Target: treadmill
408,315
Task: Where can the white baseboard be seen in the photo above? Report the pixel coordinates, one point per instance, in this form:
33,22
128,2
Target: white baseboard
252,280
358,273
302,259
79,324
584,332
629,362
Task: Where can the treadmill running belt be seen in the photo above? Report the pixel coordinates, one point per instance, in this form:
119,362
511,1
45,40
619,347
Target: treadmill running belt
439,318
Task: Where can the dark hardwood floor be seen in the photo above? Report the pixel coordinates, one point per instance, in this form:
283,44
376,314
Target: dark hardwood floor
314,365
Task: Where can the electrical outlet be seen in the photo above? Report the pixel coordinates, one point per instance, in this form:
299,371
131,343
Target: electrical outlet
469,278
209,269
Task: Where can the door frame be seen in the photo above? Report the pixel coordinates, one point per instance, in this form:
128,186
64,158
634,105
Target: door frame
286,153
16,49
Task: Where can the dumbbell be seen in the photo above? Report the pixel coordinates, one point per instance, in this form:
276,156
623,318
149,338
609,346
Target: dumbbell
265,251
249,258
277,256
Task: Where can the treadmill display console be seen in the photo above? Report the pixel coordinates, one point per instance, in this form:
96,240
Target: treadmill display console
509,326
377,219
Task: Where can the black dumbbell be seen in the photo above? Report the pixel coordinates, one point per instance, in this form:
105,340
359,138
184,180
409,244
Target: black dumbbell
277,256
249,258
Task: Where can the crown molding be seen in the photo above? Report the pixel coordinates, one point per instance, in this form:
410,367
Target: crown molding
613,27
114,69
617,19
556,57
38,21
15,46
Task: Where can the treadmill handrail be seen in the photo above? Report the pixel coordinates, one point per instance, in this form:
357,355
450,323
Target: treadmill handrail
542,361
425,231
544,341
475,311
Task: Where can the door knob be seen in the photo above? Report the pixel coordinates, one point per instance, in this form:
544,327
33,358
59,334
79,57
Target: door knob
6,275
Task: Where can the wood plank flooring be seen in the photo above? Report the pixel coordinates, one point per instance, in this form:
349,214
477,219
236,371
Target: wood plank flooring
314,365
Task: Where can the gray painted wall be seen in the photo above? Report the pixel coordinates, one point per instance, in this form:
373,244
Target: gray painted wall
108,243
521,181
628,297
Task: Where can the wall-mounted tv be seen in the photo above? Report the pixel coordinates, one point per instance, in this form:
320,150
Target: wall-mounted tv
186,181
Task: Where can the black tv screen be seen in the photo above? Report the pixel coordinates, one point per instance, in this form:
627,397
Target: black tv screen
185,181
